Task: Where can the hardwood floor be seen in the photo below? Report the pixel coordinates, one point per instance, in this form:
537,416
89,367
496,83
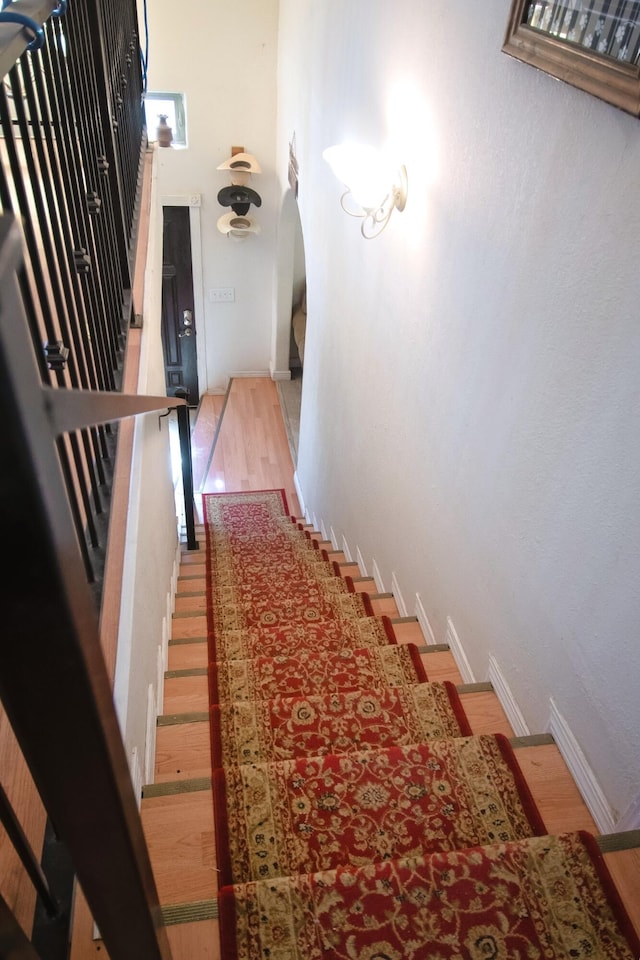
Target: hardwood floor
248,449
15,885
251,450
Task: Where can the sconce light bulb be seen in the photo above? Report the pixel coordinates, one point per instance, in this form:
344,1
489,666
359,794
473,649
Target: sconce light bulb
372,183
362,169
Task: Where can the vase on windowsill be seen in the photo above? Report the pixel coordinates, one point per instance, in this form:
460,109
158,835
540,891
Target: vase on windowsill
164,132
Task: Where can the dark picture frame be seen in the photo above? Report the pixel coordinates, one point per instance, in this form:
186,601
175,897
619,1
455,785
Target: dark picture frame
582,43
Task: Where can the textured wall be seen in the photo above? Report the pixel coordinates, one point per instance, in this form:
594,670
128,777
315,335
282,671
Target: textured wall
151,541
223,58
470,403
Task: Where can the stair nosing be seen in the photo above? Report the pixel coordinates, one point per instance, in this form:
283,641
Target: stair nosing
532,740
182,641
615,842
175,719
170,788
188,672
190,912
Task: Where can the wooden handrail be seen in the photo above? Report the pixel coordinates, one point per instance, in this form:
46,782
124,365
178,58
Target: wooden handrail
15,38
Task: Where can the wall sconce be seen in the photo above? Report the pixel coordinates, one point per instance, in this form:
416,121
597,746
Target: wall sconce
374,186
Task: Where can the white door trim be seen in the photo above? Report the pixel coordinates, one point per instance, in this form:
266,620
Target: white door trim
194,201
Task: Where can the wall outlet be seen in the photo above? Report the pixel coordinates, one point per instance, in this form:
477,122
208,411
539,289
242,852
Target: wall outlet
222,295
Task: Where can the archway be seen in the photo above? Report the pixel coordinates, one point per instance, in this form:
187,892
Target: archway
288,337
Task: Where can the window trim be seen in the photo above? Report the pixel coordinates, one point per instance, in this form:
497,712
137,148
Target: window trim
180,131
610,80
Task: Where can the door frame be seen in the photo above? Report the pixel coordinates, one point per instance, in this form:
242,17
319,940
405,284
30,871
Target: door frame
194,202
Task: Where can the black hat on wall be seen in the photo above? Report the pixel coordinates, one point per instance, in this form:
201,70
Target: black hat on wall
239,198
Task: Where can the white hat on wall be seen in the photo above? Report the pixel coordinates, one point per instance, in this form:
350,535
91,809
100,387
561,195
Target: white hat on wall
238,227
241,166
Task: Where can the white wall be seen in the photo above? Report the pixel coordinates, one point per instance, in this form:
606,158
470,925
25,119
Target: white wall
223,57
196,53
470,402
151,540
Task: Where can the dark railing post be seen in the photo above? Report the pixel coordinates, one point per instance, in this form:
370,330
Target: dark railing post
184,432
23,848
13,942
71,171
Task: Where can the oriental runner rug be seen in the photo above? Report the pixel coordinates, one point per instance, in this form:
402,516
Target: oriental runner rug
318,813
289,639
544,898
356,814
263,677
283,728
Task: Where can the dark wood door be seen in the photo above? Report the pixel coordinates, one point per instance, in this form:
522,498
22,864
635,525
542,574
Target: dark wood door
179,331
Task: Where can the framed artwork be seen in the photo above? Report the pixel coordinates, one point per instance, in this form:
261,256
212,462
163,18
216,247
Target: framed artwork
591,44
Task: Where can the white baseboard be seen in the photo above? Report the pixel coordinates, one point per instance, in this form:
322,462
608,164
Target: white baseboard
333,538
346,550
296,483
459,655
150,744
630,819
377,577
397,595
423,620
361,564
161,667
589,788
281,374
171,599
136,775
507,699
240,374
166,630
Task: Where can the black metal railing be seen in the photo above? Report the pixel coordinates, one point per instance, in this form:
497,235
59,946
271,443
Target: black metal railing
72,146
71,149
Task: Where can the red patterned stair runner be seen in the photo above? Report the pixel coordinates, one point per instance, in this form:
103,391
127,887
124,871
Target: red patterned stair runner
329,636
356,817
544,897
264,677
317,813
283,728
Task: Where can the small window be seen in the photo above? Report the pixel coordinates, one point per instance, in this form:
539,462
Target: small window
172,106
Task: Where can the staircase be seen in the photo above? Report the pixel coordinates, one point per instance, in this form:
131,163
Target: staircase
177,809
